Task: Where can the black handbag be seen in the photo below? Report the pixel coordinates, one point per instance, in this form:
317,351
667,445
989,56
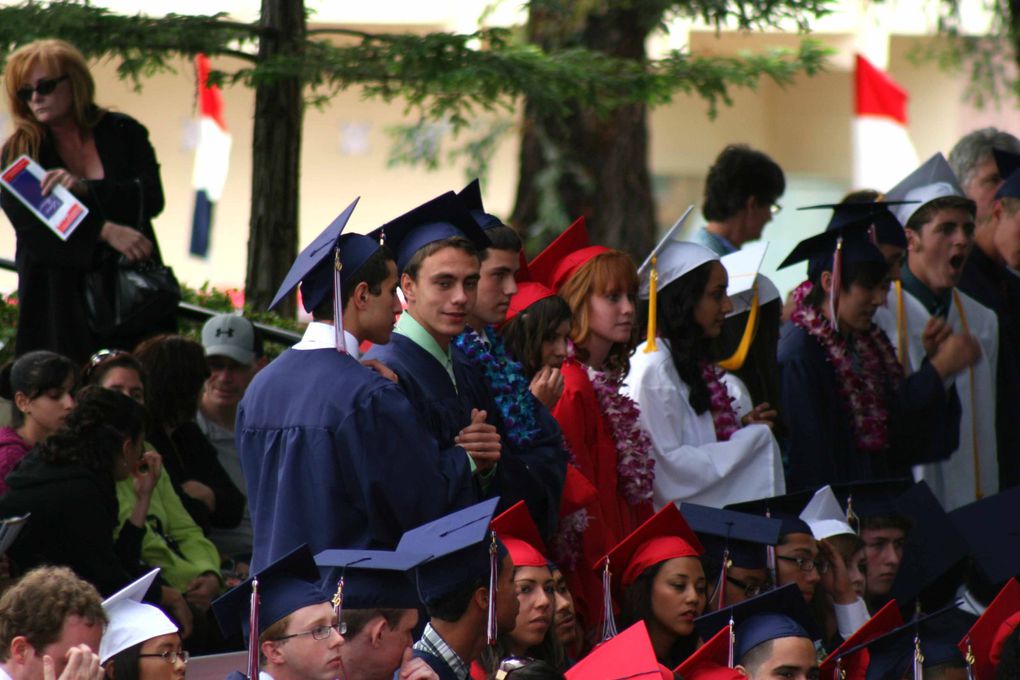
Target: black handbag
124,298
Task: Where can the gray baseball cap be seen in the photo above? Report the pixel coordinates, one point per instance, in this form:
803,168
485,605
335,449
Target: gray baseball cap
229,335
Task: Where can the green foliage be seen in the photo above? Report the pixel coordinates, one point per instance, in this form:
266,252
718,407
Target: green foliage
8,326
219,301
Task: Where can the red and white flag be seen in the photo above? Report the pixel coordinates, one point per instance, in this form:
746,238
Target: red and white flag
882,151
212,157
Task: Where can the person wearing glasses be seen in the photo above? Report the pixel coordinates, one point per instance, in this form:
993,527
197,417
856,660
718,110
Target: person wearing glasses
140,642
298,636
105,159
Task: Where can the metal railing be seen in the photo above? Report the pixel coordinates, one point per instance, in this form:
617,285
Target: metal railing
196,313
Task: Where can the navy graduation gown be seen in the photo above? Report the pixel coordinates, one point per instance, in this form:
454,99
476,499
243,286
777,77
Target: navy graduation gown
923,421
992,285
334,457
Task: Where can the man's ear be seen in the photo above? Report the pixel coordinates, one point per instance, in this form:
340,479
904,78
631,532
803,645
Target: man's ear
743,671
271,650
407,286
21,650
913,240
481,599
360,295
825,281
375,629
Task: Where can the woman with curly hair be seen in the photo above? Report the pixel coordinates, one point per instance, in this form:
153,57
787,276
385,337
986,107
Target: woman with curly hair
176,371
599,423
704,452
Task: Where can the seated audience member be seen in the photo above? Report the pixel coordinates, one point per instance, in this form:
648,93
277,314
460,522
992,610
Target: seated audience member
51,620
704,451
736,552
379,613
773,635
875,421
39,386
233,353
140,642
298,635
454,586
188,561
533,636
657,578
67,483
175,370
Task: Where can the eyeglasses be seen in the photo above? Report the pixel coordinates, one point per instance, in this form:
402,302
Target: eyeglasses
171,657
317,633
750,589
44,87
511,664
104,354
805,564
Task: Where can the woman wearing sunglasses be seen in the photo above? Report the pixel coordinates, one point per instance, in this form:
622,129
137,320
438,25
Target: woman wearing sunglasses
106,161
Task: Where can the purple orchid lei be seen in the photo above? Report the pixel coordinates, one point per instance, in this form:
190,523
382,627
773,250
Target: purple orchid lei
724,418
505,377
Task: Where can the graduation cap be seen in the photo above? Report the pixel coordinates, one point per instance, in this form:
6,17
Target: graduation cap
458,548
747,292
578,492
131,621
933,179
785,508
779,613
564,256
471,197
281,588
517,530
443,217
628,656
1005,632
850,660
871,499
979,642
710,661
732,539
528,293
933,547
825,516
991,529
1008,163
323,266
663,536
370,579
925,642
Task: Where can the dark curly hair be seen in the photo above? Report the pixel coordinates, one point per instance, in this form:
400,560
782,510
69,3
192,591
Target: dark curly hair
687,342
176,370
94,433
739,173
525,333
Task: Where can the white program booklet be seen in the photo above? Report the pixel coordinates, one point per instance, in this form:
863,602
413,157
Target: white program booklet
9,530
60,210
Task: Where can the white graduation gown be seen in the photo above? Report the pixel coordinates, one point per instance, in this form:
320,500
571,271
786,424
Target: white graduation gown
690,463
953,481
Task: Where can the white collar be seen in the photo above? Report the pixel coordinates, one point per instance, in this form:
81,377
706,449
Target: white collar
318,335
353,346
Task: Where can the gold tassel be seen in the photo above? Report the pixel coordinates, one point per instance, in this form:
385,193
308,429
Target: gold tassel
653,284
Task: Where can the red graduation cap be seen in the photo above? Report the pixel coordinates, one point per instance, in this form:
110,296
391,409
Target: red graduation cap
1006,629
711,660
629,655
855,663
578,492
978,646
663,536
528,293
561,258
520,536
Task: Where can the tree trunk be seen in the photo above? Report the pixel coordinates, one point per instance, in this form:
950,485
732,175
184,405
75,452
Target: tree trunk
276,160
584,165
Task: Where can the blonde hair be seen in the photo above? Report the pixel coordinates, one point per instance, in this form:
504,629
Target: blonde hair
59,58
612,270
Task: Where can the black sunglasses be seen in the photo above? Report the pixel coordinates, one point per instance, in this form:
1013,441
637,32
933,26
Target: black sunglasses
44,87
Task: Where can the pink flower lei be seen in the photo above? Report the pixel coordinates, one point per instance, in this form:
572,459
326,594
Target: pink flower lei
635,467
720,403
863,390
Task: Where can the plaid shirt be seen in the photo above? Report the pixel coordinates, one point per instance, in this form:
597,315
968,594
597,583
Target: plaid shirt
432,643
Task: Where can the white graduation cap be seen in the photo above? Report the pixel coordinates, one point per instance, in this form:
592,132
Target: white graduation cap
131,620
742,269
934,179
825,515
672,259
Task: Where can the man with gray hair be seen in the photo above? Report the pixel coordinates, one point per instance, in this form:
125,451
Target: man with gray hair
972,162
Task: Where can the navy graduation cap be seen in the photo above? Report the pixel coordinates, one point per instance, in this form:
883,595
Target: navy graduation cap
871,499
851,240
471,197
740,536
991,529
445,216
456,550
1008,164
924,643
371,579
785,508
779,613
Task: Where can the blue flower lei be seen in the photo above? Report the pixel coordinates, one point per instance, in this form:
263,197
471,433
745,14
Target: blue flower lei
505,377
